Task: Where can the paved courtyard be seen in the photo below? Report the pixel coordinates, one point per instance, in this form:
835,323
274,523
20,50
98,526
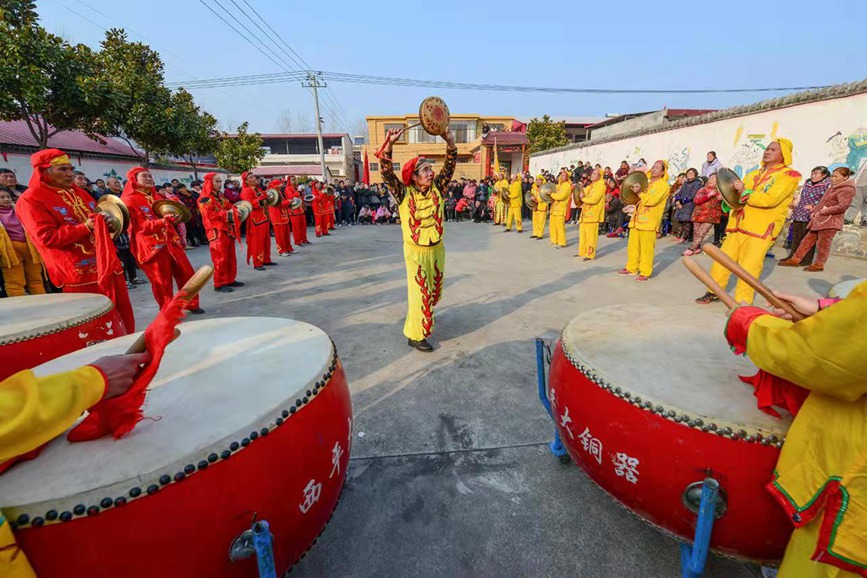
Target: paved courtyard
452,476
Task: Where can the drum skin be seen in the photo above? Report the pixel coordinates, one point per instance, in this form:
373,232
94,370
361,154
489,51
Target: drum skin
186,527
604,434
32,350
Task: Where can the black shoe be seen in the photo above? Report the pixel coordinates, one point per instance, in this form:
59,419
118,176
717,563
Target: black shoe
197,311
223,289
259,268
521,231
270,264
236,284
707,298
139,281
422,345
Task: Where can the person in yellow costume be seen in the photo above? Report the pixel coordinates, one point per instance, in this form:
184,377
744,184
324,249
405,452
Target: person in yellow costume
752,230
515,204
500,210
645,222
820,478
420,196
20,263
34,410
561,196
540,213
592,215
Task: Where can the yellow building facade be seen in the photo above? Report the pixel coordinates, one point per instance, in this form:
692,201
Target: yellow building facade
467,128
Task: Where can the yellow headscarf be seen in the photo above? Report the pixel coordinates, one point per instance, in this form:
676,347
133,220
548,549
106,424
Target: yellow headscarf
786,147
664,176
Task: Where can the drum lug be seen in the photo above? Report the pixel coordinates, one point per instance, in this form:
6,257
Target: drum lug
256,541
242,546
692,497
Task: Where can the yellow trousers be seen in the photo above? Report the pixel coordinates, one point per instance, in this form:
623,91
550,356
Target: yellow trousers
539,223
750,253
514,214
425,269
26,274
588,238
13,562
797,563
639,252
557,230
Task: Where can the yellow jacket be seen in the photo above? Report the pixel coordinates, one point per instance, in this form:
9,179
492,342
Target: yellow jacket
515,195
499,186
593,203
825,452
8,256
651,205
541,206
771,190
561,199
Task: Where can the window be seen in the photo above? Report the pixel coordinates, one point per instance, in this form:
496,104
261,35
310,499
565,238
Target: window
394,126
464,131
275,146
359,140
374,167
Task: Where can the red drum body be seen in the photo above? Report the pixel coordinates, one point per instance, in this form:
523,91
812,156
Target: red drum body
220,452
648,403
38,328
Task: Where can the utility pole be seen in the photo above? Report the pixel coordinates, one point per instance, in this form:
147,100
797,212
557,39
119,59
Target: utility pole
314,84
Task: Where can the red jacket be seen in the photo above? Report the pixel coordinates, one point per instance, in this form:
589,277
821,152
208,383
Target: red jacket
279,215
215,216
54,220
319,203
290,193
257,198
149,233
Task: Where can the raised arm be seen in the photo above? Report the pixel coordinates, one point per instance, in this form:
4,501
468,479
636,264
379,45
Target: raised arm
386,166
445,175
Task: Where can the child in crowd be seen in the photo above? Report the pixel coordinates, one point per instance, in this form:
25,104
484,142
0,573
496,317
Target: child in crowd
451,204
707,213
462,208
19,261
364,215
382,215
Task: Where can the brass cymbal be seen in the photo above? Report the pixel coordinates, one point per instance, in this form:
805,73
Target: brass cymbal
274,197
725,179
113,218
166,207
116,201
545,192
295,203
577,191
627,195
244,210
530,200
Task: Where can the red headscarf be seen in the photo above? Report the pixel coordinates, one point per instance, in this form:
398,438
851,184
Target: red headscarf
275,183
409,168
42,160
131,175
208,184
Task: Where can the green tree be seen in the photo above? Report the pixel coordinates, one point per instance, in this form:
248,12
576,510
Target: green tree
142,115
195,131
546,134
241,152
50,84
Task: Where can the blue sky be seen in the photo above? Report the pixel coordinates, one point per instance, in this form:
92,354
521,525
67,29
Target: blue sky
615,44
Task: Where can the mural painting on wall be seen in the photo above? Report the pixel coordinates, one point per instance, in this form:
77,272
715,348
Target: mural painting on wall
748,154
678,161
847,150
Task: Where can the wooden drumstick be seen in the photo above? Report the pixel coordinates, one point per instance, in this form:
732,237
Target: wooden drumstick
717,255
705,278
191,288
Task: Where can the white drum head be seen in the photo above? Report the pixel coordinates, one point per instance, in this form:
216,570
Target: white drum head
676,357
219,381
23,318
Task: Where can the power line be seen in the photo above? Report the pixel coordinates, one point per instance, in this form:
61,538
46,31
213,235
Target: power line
302,64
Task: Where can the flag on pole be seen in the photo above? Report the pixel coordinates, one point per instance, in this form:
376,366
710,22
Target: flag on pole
366,176
496,158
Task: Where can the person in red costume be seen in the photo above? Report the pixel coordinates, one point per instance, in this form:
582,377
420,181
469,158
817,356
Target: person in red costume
329,211
258,228
279,216
320,209
71,238
154,241
297,219
221,231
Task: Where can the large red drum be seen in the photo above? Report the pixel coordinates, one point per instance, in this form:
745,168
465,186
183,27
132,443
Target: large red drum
648,402
247,418
38,328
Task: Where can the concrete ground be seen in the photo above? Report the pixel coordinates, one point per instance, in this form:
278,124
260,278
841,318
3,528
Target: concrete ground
450,474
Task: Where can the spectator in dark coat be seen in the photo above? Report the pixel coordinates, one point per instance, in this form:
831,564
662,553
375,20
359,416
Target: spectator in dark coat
685,205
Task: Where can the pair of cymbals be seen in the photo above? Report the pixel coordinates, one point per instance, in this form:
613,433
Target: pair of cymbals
115,212
166,207
545,192
627,195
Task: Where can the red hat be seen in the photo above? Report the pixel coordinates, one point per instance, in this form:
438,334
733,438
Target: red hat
409,168
275,183
131,174
42,160
208,184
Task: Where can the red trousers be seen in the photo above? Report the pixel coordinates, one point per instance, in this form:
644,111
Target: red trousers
225,261
329,219
258,243
299,228
822,240
121,303
321,224
281,235
169,264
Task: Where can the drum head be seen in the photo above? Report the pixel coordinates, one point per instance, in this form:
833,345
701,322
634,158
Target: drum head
23,318
434,115
673,356
220,380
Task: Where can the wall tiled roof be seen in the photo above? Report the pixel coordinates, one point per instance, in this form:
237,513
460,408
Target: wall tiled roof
798,98
16,133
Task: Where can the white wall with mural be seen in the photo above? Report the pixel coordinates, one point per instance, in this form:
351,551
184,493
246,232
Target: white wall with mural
830,132
96,169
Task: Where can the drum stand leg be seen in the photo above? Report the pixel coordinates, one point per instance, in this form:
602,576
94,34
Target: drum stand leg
555,446
257,540
693,558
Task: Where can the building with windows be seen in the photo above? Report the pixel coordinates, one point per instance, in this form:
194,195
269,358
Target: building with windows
298,154
467,128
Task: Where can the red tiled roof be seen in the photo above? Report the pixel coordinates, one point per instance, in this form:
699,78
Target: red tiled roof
297,135
506,138
16,133
280,170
